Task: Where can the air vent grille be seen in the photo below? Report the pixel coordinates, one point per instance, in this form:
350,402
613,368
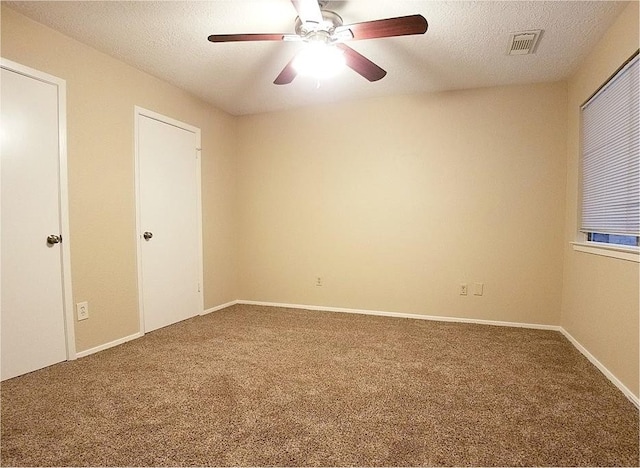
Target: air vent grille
523,43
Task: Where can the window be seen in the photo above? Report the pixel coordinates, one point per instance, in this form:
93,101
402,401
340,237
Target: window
612,239
611,160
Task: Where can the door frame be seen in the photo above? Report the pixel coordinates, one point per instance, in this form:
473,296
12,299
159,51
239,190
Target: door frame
142,112
63,200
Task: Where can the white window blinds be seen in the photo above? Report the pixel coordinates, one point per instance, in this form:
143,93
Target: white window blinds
611,156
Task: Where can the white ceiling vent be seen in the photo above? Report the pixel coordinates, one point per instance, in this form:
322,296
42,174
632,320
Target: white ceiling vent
523,43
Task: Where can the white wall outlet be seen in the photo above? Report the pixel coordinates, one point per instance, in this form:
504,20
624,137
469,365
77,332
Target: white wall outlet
318,281
463,289
82,310
478,289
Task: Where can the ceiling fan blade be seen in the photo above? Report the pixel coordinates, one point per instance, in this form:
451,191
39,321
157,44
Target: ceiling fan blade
308,10
287,74
245,37
361,64
390,27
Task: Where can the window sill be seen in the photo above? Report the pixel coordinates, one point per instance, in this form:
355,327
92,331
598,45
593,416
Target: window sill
631,254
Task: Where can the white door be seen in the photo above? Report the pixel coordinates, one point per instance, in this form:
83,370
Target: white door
169,240
33,161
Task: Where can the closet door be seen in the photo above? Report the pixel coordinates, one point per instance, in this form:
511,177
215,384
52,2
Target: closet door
169,220
33,294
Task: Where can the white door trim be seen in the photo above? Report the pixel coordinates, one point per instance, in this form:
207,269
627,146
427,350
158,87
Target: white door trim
67,291
140,111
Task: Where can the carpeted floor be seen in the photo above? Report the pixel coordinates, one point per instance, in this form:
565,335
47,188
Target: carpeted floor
263,386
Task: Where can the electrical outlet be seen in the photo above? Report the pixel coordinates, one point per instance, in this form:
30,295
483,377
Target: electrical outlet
82,310
464,290
318,281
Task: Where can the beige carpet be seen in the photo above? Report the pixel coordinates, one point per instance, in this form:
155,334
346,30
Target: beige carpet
267,386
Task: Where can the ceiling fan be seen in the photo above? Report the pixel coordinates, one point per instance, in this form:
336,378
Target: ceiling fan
325,35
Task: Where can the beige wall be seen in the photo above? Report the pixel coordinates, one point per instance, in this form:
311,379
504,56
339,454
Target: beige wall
600,298
394,202
101,94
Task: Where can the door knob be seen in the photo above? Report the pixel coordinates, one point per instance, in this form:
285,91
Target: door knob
53,239
147,235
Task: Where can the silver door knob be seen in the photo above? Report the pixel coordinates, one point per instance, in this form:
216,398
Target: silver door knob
53,239
147,235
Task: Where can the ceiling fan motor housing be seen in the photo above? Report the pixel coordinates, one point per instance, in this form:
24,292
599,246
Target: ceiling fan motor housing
310,30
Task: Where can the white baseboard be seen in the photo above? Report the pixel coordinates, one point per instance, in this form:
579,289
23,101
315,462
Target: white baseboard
608,374
123,340
111,344
219,307
436,318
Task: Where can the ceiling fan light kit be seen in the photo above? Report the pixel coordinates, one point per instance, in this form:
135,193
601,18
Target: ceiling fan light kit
325,35
319,60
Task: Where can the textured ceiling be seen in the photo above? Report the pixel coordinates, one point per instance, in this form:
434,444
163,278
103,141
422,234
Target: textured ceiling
465,46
